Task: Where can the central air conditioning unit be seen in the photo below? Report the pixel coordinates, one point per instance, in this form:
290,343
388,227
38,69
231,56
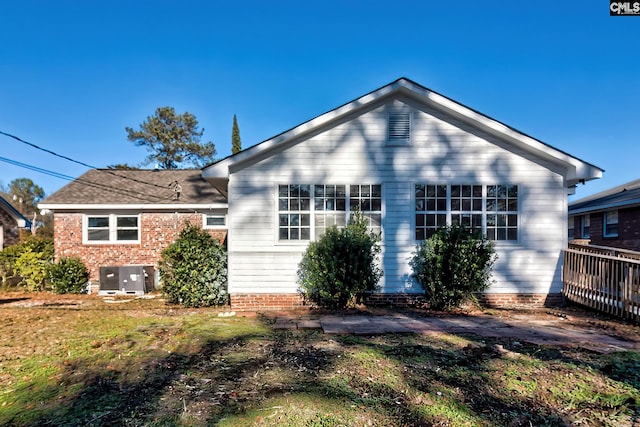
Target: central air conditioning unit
127,280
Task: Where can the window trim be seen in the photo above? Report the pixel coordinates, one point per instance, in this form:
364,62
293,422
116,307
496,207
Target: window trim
449,213
584,219
605,224
214,227
312,211
113,229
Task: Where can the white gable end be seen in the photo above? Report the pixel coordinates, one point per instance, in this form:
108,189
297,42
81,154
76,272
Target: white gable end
445,147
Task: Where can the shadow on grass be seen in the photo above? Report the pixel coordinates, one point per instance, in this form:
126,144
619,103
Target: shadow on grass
408,380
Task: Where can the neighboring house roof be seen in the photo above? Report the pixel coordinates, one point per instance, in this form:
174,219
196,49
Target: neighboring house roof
138,189
625,195
576,170
21,220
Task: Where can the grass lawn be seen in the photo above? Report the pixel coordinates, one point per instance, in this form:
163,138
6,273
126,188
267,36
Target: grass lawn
78,361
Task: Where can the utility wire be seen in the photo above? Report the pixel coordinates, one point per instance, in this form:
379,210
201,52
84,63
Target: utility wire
142,196
78,162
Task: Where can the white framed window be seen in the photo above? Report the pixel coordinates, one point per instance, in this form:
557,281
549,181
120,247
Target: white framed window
585,226
490,209
610,224
111,228
368,198
502,212
330,205
305,211
399,128
214,221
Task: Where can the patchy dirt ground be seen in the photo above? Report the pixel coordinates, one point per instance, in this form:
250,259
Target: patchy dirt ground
305,377
571,316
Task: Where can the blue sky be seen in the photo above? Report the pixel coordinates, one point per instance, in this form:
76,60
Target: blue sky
73,74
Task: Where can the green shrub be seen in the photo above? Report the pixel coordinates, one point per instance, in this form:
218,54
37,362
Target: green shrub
27,263
69,276
193,269
341,265
452,265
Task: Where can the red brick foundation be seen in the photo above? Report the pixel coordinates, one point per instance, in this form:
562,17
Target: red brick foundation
521,300
257,302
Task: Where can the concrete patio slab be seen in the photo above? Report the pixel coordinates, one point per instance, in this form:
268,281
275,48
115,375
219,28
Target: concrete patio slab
547,331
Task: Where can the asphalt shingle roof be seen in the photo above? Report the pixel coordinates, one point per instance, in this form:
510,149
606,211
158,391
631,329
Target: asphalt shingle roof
622,195
116,186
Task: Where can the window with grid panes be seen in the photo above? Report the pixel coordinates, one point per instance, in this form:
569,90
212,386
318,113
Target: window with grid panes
306,211
330,204
431,209
368,198
502,212
294,212
466,206
491,209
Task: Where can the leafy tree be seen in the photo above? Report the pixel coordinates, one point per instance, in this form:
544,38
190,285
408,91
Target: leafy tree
452,265
236,144
172,139
27,263
25,195
194,269
341,266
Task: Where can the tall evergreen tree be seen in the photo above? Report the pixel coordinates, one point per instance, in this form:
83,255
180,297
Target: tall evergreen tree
236,144
172,139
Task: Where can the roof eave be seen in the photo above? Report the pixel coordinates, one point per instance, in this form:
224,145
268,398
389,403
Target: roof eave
131,206
576,170
605,207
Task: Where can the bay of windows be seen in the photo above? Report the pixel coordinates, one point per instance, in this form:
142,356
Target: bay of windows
305,211
489,209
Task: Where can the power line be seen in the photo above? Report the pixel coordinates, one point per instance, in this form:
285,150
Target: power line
78,161
146,197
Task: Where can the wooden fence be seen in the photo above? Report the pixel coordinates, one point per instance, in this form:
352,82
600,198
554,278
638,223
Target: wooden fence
605,279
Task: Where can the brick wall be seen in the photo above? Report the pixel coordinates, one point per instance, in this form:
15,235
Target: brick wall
628,230
157,231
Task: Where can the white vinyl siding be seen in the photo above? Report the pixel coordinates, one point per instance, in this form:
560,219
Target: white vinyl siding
357,152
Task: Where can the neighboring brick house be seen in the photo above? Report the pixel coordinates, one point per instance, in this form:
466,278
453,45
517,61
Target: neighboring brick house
609,218
127,217
11,221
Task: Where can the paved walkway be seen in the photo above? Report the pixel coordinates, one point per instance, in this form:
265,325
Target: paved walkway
541,330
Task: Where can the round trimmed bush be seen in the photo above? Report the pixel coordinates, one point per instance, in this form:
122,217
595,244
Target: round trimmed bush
69,276
452,265
341,266
193,269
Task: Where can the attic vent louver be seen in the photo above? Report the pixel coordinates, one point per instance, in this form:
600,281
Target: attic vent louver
399,128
